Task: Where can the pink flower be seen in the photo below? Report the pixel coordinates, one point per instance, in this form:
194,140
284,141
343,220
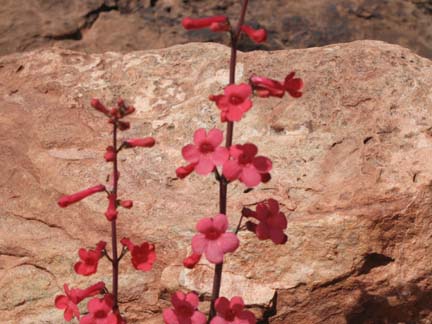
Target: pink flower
265,87
100,311
185,310
96,104
212,239
109,155
143,256
234,102
206,153
257,35
191,261
89,259
272,221
140,142
246,166
111,212
70,199
73,297
199,23
232,312
293,85
183,171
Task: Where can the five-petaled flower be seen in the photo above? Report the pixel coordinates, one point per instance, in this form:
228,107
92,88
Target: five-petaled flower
185,310
100,311
89,259
234,102
257,35
246,166
213,240
272,221
70,199
232,312
206,152
143,256
73,297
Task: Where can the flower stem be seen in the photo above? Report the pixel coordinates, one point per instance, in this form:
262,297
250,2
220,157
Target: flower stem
115,259
223,183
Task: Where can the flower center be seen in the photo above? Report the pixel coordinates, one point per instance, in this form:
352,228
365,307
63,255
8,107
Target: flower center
212,234
206,147
100,314
185,310
229,316
244,159
235,100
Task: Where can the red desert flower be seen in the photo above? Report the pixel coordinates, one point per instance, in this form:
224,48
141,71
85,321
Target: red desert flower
257,35
199,23
234,102
70,199
140,142
265,87
272,221
232,312
183,171
100,311
206,153
246,166
213,240
89,259
73,297
293,85
143,256
191,261
185,310
111,212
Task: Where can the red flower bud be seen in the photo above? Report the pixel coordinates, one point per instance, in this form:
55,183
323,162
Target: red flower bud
246,212
257,35
96,104
251,227
123,125
111,212
220,27
109,154
141,142
126,203
183,171
265,87
198,23
70,199
191,261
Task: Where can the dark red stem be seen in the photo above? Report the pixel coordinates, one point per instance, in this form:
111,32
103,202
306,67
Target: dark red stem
115,259
223,183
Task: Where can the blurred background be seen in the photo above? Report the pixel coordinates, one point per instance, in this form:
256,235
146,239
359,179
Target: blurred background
127,25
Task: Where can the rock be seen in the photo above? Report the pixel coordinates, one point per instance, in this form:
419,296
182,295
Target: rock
126,25
351,165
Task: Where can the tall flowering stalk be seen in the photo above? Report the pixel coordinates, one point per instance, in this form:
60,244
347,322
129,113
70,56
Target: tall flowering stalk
105,310
237,162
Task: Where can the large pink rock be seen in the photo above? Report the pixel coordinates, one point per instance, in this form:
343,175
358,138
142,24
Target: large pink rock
351,165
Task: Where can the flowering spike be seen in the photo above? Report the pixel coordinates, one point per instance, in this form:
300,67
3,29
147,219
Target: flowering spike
257,35
199,23
111,212
191,261
96,104
140,142
70,199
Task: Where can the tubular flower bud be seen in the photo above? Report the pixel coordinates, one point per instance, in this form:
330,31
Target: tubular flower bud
191,261
109,154
183,171
199,23
140,142
257,35
126,203
111,212
96,104
70,199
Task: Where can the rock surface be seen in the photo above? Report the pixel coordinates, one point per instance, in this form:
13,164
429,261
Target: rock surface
351,166
125,25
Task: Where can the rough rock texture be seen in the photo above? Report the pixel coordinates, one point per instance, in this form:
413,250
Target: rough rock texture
351,167
124,25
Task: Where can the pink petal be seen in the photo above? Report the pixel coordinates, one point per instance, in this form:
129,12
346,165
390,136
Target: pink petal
236,150
262,231
215,137
220,155
220,222
200,135
262,212
169,316
199,243
218,320
229,242
88,319
246,317
111,319
204,224
277,236
198,318
262,164
278,221
204,166
245,106
69,314
190,153
250,176
231,169
237,304
222,306
192,299
61,301
242,90
250,149
213,252
177,299
234,114
273,206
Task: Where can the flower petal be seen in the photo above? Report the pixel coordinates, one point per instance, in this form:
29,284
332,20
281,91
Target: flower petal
262,164
204,166
200,135
220,221
228,242
191,153
199,243
192,298
231,169
215,137
250,176
220,155
214,252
